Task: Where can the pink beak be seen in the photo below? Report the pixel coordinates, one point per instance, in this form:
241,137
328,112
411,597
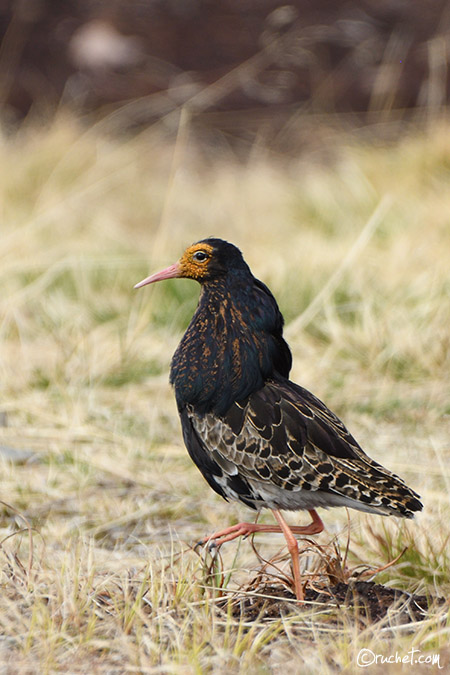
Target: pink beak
169,273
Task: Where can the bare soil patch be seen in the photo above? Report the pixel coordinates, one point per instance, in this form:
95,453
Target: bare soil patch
366,600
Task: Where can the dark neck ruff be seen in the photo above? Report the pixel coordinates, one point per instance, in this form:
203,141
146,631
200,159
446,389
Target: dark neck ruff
232,346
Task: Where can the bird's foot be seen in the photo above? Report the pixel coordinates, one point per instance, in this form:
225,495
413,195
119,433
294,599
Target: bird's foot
245,529
230,533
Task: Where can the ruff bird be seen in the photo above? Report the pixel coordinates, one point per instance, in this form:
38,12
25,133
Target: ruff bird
256,436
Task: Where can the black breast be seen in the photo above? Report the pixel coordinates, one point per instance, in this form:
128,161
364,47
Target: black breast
233,344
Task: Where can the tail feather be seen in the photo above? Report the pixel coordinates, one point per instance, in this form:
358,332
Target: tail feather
370,484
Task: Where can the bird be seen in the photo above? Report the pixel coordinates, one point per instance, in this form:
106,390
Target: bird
255,435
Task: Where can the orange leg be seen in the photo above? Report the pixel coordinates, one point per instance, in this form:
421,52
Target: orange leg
293,550
244,529
315,527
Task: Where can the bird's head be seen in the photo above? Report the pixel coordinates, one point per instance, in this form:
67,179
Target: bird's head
204,261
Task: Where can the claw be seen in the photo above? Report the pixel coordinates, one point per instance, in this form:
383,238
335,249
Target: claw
208,543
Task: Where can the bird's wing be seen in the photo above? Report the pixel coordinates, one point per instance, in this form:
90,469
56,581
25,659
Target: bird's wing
284,435
225,481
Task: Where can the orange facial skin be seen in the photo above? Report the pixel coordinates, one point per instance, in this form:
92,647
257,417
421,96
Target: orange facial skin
190,267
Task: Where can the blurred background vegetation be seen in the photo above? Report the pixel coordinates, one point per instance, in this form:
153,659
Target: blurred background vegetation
313,135
244,69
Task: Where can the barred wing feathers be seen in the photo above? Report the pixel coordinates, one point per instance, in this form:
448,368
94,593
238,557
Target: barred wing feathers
283,448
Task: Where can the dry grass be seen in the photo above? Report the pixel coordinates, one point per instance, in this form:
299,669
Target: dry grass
356,250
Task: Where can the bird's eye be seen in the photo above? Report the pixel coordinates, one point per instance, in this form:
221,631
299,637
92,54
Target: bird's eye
200,256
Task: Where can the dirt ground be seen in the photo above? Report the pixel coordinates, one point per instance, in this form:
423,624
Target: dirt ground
362,600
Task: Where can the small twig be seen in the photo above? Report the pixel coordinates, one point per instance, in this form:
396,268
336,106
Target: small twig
370,573
29,529
347,546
